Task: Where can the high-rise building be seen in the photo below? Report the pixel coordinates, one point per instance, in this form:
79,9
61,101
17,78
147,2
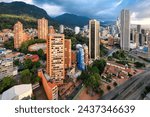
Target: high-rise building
80,57
143,31
125,30
51,30
136,39
141,39
139,28
132,36
94,47
73,57
67,53
118,26
85,28
77,30
61,29
19,35
148,46
55,57
43,28
86,54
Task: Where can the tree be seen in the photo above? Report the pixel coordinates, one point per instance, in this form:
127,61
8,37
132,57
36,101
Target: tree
115,84
37,64
16,62
36,79
95,70
69,33
121,55
101,92
123,62
75,39
26,44
147,88
26,76
92,82
103,50
7,83
100,64
41,54
28,64
139,65
108,87
84,76
110,58
9,44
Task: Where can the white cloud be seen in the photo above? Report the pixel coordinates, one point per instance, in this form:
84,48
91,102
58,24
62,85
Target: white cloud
140,12
143,21
53,10
118,3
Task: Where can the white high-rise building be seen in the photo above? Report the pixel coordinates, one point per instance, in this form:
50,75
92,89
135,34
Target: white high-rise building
61,29
125,30
77,30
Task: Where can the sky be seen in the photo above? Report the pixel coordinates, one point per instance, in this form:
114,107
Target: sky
97,9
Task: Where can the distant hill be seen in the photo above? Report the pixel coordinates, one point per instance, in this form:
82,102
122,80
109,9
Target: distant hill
8,21
11,12
72,20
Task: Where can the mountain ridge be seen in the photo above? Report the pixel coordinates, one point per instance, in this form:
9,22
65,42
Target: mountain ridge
72,20
10,11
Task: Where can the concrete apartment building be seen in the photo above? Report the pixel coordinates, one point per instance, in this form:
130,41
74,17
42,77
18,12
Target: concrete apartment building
61,29
5,35
86,54
19,35
43,28
7,68
55,57
73,58
51,89
94,46
67,53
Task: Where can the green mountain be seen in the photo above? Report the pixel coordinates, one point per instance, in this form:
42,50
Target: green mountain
72,20
28,14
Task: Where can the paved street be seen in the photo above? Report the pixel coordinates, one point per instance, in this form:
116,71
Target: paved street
131,89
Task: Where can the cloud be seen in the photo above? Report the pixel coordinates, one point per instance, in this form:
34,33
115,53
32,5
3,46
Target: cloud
90,8
53,10
140,12
100,9
118,3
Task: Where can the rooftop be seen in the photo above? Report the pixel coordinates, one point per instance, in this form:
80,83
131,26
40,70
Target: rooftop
6,61
15,91
52,85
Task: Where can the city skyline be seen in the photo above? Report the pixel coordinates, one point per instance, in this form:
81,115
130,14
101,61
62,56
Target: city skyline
99,9
60,62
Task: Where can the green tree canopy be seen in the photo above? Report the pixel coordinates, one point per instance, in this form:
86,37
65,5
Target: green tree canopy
7,83
100,64
26,76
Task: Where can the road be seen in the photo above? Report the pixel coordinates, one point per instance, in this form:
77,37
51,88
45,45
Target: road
134,55
110,52
131,89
